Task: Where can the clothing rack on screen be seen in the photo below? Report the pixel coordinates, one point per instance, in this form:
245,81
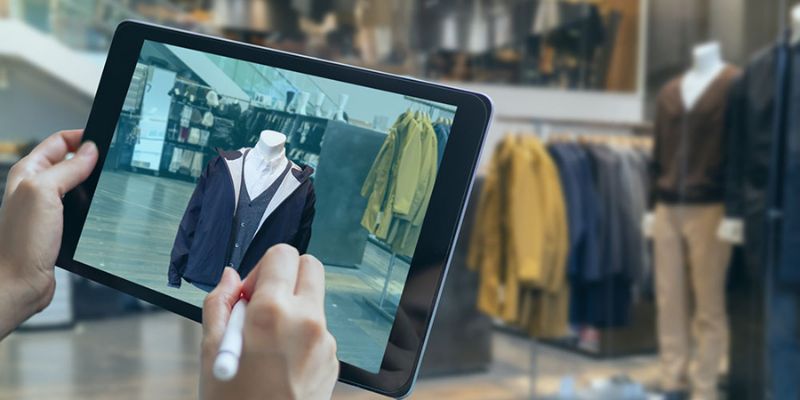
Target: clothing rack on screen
435,110
181,137
384,305
397,192
442,117
198,85
590,291
200,121
232,123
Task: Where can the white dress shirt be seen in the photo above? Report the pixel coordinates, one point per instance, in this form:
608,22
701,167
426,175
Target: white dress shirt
260,173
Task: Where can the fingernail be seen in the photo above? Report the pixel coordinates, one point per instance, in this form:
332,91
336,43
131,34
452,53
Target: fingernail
228,271
87,149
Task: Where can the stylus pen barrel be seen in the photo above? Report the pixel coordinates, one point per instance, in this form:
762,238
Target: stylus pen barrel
226,364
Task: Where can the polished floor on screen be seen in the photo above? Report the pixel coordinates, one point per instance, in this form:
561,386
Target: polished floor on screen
131,228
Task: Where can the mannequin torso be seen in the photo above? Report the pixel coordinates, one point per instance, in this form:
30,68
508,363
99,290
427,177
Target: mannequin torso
707,64
265,162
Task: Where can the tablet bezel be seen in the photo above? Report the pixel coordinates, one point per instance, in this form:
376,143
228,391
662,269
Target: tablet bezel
428,267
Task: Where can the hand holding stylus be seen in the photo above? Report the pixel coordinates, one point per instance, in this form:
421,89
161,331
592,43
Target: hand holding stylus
286,349
230,349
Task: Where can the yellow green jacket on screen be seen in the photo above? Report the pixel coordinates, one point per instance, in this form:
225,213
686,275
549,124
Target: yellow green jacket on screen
400,183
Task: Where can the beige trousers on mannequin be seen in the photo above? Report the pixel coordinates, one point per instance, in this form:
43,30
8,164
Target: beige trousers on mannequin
690,269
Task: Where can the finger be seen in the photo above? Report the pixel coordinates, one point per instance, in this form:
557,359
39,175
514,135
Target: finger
311,281
276,273
51,151
67,174
56,146
219,303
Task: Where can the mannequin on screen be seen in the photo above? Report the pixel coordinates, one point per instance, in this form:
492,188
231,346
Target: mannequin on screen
691,260
264,163
245,202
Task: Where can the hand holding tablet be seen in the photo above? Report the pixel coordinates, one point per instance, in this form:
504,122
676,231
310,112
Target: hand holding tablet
188,183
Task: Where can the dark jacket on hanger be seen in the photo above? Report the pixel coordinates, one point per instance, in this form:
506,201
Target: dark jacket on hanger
582,208
199,252
688,164
442,133
607,291
767,320
750,126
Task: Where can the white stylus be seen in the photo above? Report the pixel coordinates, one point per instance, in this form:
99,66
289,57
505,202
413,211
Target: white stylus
227,363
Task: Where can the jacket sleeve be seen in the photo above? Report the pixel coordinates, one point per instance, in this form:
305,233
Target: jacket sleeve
422,197
185,235
409,171
369,182
526,201
303,235
560,244
736,148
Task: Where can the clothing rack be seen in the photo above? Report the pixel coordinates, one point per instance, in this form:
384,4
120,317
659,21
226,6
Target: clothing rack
189,82
540,123
631,335
380,305
645,142
433,107
250,101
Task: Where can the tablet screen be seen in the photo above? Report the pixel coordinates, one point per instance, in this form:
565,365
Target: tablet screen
216,159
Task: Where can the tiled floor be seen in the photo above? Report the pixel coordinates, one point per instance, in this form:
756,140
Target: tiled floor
155,356
131,227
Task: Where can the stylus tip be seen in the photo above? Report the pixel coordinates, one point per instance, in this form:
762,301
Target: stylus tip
225,366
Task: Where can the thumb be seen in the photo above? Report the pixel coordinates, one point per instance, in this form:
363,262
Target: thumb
69,173
219,303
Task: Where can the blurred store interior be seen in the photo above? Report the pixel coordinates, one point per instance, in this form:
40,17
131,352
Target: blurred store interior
652,123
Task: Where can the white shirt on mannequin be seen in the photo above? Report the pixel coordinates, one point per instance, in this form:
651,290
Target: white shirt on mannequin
265,162
706,66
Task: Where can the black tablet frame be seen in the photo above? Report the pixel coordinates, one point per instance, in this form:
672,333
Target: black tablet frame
428,267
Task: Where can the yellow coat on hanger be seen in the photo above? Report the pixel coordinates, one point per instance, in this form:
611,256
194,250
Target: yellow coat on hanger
379,183
520,240
400,183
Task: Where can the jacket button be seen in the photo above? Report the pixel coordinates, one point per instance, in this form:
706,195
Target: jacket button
242,224
236,245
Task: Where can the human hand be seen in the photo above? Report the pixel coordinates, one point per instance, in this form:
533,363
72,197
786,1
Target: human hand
31,223
288,352
648,224
731,230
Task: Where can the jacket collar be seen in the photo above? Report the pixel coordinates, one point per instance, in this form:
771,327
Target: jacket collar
291,182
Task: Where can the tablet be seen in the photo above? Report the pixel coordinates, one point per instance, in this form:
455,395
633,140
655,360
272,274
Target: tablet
211,151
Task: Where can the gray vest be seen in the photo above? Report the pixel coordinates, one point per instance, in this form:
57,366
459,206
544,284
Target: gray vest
248,215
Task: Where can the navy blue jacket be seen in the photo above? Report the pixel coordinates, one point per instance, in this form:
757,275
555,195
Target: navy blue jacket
198,254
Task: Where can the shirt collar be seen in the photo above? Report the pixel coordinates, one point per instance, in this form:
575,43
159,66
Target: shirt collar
269,165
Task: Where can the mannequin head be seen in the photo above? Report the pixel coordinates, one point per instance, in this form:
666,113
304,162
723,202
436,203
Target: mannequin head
270,145
706,57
